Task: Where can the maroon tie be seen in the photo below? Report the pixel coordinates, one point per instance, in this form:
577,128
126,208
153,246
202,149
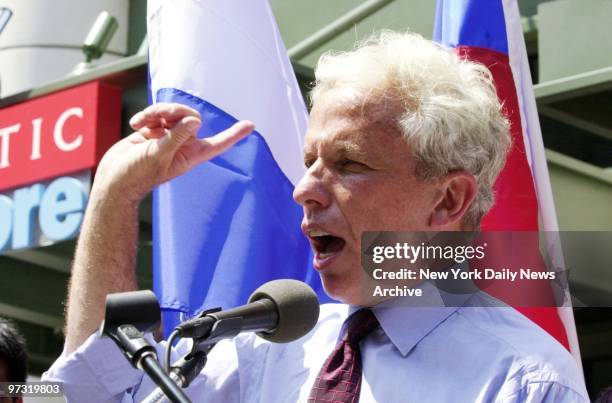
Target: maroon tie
340,378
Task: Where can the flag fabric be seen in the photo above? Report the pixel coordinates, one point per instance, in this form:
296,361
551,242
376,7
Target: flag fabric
490,32
230,224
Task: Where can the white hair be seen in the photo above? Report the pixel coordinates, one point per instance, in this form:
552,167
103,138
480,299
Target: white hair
450,115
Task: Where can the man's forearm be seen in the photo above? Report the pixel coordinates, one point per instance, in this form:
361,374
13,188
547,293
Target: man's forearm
164,146
104,263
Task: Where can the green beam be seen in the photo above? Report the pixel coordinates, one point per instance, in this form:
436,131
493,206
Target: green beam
336,27
33,288
580,168
574,86
575,120
41,257
30,316
108,72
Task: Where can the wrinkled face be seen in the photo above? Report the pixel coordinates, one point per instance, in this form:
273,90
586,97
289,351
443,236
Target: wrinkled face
360,177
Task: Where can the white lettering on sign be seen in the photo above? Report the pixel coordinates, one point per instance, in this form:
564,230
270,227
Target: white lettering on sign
5,135
43,213
58,135
36,126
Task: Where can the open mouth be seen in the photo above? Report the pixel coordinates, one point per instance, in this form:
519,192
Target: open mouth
324,244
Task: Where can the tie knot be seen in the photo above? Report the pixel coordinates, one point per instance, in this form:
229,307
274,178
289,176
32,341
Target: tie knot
360,324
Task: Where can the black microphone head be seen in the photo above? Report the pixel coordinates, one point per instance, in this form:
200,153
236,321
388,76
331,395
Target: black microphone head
297,306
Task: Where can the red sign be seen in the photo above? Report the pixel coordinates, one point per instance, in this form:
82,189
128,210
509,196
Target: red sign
57,134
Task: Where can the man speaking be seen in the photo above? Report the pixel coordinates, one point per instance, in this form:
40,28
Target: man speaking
404,135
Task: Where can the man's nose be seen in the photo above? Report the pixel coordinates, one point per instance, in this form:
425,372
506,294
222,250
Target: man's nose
311,191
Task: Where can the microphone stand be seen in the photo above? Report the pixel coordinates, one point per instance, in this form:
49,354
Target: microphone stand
128,316
181,373
205,336
143,356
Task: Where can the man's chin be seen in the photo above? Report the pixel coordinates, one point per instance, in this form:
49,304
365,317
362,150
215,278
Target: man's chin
355,294
341,290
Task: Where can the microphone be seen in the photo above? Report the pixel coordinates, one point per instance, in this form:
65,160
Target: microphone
279,311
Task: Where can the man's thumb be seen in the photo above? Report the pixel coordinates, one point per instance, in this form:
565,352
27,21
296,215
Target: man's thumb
185,129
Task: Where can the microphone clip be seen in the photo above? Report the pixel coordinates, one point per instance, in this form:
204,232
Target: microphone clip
206,331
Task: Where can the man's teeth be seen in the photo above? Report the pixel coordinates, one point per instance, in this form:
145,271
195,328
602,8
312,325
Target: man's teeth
315,233
325,255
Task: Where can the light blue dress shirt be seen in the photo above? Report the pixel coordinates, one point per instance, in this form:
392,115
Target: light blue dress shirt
420,354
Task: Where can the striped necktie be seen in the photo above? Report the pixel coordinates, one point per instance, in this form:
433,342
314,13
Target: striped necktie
339,381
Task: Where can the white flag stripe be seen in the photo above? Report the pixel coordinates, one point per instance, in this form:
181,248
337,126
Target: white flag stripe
252,60
536,157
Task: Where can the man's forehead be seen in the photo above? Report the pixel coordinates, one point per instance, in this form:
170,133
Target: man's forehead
348,119
355,102
340,132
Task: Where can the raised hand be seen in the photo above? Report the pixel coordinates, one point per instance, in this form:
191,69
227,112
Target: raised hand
164,146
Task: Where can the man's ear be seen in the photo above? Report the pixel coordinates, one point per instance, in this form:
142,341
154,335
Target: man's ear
457,193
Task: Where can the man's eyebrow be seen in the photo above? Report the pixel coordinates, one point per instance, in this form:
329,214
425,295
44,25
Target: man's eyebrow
308,156
350,149
341,148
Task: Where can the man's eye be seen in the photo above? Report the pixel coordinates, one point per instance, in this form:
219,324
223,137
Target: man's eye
352,166
308,163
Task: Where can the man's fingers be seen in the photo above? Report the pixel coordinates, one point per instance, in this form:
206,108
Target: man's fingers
185,129
219,143
152,133
162,114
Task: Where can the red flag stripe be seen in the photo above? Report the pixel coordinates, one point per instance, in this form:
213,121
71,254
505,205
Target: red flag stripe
516,204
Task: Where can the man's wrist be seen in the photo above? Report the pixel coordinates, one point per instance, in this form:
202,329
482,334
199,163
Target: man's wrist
113,199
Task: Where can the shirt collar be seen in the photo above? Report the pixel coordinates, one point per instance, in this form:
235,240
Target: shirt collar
407,320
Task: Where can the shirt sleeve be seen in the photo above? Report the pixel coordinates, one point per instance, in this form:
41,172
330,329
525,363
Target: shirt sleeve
96,372
99,372
546,392
535,383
